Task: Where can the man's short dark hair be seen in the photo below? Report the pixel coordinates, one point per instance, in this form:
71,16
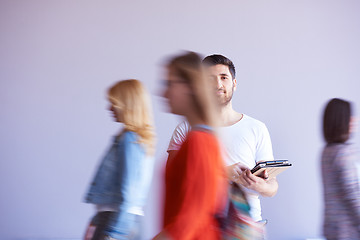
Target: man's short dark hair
336,121
216,59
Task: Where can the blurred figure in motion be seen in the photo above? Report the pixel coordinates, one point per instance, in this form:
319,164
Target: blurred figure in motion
195,178
121,183
339,165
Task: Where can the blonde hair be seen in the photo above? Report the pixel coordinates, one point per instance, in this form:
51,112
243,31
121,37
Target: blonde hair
131,97
189,67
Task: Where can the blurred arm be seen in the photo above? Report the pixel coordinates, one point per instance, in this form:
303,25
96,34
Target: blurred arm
348,183
200,187
131,156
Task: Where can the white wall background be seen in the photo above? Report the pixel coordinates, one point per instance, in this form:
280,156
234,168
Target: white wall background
57,58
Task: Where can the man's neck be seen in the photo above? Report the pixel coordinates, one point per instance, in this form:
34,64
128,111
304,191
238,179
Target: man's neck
228,116
193,117
194,120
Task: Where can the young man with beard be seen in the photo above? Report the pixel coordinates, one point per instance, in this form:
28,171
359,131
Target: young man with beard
246,140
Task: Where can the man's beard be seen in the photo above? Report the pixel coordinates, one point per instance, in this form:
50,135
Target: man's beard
227,99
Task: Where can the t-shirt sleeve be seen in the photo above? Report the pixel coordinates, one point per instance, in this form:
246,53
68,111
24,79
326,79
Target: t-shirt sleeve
264,150
178,136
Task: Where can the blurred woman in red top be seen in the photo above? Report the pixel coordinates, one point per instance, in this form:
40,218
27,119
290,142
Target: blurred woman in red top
195,183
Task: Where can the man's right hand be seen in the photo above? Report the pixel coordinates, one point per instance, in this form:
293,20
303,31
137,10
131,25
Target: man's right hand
234,171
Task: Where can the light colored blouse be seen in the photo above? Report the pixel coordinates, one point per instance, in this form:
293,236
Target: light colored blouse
339,165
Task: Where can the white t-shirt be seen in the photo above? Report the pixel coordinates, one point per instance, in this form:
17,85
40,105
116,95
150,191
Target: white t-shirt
247,142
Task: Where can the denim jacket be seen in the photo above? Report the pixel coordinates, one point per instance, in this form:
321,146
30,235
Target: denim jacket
124,175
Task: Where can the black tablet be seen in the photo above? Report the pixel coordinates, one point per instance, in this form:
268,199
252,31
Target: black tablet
274,167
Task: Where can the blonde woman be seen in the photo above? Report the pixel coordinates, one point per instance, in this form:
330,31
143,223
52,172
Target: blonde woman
121,183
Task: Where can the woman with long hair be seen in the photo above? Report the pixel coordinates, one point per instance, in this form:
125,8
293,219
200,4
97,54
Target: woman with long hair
339,165
121,183
195,182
